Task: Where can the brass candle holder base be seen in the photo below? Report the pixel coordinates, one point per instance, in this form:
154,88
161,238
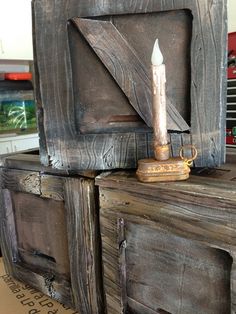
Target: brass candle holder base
163,168
152,170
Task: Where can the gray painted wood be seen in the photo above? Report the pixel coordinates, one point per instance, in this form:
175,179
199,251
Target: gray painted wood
84,245
50,235
180,243
32,162
133,78
63,146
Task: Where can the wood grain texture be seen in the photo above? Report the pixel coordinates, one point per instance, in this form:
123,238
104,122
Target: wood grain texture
51,285
45,278
65,147
41,232
127,69
50,239
172,28
111,265
21,162
135,307
177,274
52,187
55,287
17,180
32,162
8,235
182,232
233,283
84,245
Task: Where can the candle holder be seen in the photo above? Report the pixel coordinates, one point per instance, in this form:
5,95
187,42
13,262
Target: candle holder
163,167
171,169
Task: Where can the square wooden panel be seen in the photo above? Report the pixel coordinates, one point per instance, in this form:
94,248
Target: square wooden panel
168,248
41,233
93,79
49,235
171,274
111,70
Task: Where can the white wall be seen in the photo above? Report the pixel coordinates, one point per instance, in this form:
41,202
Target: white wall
16,30
231,16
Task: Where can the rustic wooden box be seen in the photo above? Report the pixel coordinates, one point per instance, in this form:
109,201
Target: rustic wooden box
93,79
49,232
169,247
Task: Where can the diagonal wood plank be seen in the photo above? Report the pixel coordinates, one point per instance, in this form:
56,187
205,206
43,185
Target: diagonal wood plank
126,68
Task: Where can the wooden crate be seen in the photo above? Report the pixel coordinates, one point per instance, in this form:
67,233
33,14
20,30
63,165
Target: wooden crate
169,247
93,79
50,232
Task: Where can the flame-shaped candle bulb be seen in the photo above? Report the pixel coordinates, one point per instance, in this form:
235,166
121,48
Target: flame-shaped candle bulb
161,147
157,56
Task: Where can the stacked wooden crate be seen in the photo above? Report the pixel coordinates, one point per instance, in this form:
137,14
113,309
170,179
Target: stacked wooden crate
93,90
169,248
50,232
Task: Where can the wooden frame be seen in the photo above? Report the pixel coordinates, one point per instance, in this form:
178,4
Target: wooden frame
80,287
169,247
63,145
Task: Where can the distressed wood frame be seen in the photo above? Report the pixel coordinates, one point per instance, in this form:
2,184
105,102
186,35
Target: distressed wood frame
63,146
83,289
201,211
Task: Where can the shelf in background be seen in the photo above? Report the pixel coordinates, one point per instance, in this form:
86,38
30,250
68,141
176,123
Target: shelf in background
18,143
231,114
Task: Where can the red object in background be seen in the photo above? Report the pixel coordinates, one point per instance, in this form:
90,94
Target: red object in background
230,139
232,73
22,76
232,49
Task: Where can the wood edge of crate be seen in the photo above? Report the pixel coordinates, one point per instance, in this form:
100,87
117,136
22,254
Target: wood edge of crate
32,162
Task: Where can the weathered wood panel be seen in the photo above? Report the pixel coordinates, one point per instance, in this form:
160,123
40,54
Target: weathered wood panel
50,237
179,244
17,180
84,245
178,33
21,160
22,263
115,299
51,285
41,232
177,274
52,187
8,234
63,145
32,162
114,51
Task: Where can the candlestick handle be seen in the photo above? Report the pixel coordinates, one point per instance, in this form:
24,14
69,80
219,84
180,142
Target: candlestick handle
189,160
